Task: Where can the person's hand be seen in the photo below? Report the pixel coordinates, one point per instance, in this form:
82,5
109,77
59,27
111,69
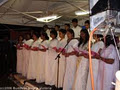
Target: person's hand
66,54
86,55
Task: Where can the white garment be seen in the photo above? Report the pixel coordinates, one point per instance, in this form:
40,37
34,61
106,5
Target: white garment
107,72
62,63
70,66
48,33
19,61
77,31
26,54
41,62
51,64
33,60
95,65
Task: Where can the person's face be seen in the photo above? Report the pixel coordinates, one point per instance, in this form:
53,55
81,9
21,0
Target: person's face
82,34
66,27
42,37
95,36
52,36
20,38
34,37
56,28
74,24
61,35
87,25
69,35
28,37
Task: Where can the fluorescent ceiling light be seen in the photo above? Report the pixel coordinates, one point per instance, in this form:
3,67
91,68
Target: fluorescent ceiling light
81,13
48,18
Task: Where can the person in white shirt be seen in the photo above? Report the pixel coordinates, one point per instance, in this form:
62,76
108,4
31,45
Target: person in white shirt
47,30
40,77
33,58
51,63
76,28
57,28
61,44
66,27
87,25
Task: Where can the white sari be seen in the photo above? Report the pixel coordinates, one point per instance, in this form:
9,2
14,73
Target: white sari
62,63
95,65
26,54
19,60
71,62
82,71
107,72
41,62
51,64
33,60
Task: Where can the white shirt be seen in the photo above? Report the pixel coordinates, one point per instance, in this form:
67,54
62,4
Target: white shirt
77,31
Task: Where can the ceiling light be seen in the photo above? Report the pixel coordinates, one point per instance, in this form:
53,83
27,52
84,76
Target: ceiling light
48,18
81,13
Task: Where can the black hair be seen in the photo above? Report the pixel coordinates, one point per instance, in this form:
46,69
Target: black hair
86,39
100,36
75,20
109,40
67,25
54,32
87,21
20,36
45,35
63,31
57,26
71,31
36,34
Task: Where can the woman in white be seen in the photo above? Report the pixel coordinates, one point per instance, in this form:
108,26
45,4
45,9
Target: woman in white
51,63
96,47
62,43
33,59
42,56
70,61
109,65
19,47
83,67
26,53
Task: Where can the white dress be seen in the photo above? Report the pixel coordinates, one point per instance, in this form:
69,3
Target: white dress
70,66
26,54
82,71
19,60
95,65
33,60
107,72
62,63
82,47
41,62
51,64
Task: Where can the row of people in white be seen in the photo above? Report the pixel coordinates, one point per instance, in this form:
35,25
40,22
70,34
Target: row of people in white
43,66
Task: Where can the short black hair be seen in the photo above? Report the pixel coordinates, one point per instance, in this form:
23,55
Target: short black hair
75,20
57,26
71,31
67,25
87,21
63,31
54,32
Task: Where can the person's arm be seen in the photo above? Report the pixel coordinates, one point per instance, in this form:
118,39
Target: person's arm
107,60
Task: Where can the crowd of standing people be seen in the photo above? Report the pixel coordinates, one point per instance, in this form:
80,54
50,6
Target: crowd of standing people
36,58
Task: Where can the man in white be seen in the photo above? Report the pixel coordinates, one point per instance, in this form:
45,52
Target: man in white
76,28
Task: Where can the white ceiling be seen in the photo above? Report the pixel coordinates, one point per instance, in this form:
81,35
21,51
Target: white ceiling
22,12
